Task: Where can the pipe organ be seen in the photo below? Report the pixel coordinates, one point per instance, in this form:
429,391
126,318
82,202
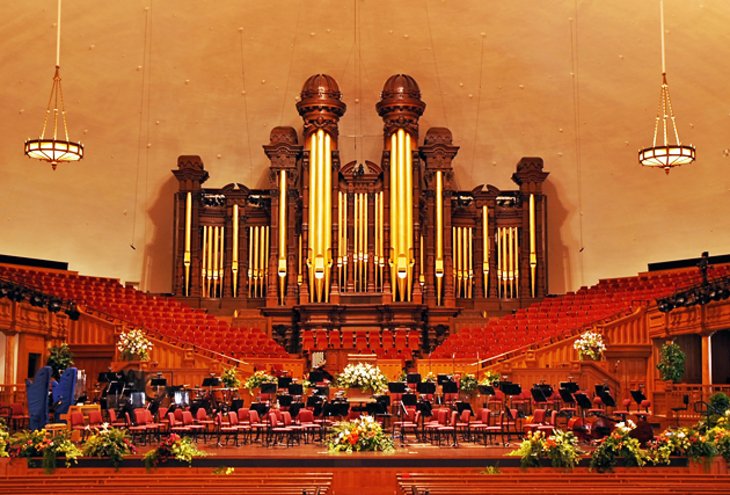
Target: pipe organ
392,244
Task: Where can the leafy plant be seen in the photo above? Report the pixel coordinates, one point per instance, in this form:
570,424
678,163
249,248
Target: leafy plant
668,443
561,448
619,446
671,362
468,384
590,345
490,377
4,439
60,357
259,377
110,442
361,434
719,403
172,447
364,376
230,377
41,443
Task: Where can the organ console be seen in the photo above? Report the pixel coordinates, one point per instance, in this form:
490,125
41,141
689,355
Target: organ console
387,245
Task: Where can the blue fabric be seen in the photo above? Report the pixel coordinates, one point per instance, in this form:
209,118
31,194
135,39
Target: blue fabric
63,392
37,393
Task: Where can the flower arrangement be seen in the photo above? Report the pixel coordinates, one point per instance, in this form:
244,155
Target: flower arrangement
430,377
701,446
619,445
230,378
41,443
361,434
4,439
560,447
721,438
109,442
364,376
590,345
134,345
490,377
468,384
172,447
668,443
671,362
259,377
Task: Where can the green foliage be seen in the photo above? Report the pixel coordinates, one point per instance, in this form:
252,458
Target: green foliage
719,403
60,357
230,378
41,443
172,447
491,470
259,377
359,435
4,439
561,448
671,362
113,443
619,446
490,377
468,384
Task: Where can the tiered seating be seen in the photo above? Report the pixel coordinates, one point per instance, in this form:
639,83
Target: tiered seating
640,482
397,344
176,481
162,315
558,316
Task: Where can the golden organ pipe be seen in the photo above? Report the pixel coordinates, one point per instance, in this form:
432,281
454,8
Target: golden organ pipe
408,228
485,249
188,235
533,245
234,252
221,270
265,260
469,265
516,242
393,195
214,277
256,244
209,267
250,260
439,224
365,243
204,263
281,269
327,213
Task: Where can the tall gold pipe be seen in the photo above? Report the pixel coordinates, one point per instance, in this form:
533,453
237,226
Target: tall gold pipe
300,275
339,241
345,199
281,268
408,228
234,252
188,237
381,240
209,267
216,250
469,263
221,266
393,194
533,245
327,214
455,256
250,232
204,263
376,233
402,245
516,242
485,250
365,243
311,240
439,224
256,272
319,201
498,242
511,258
265,260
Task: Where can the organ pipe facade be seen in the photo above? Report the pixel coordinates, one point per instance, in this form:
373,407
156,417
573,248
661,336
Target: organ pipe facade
393,244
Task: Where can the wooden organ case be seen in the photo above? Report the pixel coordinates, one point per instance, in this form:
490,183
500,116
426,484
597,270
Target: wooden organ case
362,245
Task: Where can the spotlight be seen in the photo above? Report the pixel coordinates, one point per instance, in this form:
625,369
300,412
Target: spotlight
16,294
4,290
73,312
37,300
54,305
665,306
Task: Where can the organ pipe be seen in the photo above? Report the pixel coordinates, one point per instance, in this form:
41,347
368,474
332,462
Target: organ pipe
401,221
439,268
485,249
234,252
320,219
188,235
533,246
281,268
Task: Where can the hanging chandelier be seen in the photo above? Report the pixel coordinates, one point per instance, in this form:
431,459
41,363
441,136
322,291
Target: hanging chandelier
666,155
55,149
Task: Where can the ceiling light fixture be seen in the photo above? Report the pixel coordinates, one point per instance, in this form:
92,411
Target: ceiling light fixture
668,155
53,149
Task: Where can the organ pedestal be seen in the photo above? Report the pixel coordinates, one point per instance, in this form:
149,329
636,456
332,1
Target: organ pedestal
393,244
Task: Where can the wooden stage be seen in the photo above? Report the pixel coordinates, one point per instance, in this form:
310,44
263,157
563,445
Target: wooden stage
368,473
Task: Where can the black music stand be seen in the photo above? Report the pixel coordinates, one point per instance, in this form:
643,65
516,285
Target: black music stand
426,388
450,387
295,389
538,394
268,388
413,378
409,399
442,378
323,391
638,397
571,386
284,381
316,376
397,387
284,400
583,402
607,398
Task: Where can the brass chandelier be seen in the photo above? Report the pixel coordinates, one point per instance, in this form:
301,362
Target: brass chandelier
55,149
666,155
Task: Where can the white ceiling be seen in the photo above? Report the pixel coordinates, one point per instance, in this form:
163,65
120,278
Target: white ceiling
575,82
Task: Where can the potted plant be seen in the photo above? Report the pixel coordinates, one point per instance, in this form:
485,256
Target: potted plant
363,376
619,445
671,362
41,443
468,384
230,378
590,346
110,442
259,377
561,448
134,345
59,358
172,447
358,435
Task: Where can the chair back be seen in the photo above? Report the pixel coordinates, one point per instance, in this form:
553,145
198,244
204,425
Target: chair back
538,415
171,419
232,418
162,413
286,417
253,416
178,414
306,416
140,416
486,416
243,414
187,418
273,420
95,418
76,419
455,418
465,416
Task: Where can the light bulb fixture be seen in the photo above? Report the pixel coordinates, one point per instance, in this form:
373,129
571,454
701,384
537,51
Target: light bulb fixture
54,149
666,155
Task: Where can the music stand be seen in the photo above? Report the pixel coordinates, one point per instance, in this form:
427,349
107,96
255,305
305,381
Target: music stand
316,376
607,398
538,394
295,389
268,388
485,389
284,381
571,387
413,378
211,381
509,388
284,400
583,401
442,378
450,387
426,388
397,387
638,397
323,391
409,399
461,406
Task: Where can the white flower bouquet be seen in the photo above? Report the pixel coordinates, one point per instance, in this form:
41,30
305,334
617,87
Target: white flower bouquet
364,376
590,345
134,345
